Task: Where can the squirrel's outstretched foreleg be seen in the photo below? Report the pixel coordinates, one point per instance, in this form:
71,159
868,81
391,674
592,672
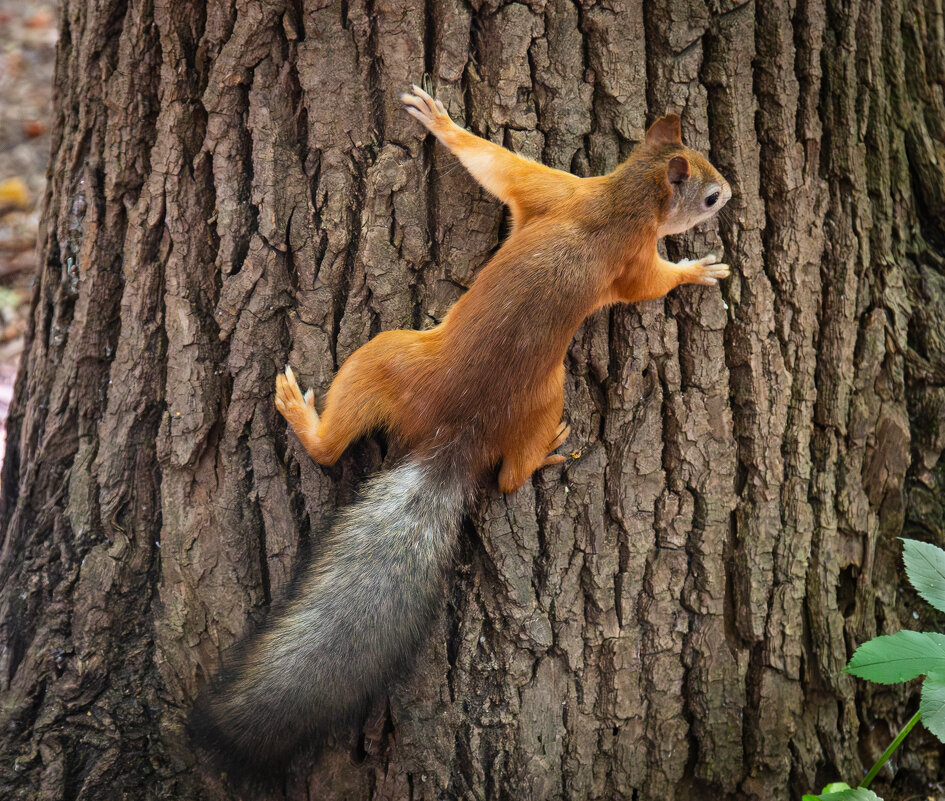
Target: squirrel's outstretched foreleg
662,276
525,186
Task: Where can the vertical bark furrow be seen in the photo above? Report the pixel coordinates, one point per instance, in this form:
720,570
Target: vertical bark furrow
830,571
792,246
88,697
732,113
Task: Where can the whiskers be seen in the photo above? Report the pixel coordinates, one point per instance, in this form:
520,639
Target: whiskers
726,216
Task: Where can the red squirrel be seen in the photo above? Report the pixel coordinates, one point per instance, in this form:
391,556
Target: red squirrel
484,388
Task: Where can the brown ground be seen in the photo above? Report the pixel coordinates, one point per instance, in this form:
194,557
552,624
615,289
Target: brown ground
28,33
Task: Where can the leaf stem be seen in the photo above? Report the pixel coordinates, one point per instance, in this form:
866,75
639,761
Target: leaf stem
889,751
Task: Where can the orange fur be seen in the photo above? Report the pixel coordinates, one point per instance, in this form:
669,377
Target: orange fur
493,369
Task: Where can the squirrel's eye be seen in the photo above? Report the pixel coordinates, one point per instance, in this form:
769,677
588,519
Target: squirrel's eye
712,199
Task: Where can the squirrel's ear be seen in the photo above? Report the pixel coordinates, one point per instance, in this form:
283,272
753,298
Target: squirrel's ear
678,170
665,131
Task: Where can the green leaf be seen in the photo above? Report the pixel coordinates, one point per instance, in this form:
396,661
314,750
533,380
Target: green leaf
899,657
856,794
841,791
932,707
925,567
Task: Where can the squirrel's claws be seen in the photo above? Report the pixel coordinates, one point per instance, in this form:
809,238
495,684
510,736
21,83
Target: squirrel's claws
712,274
290,378
295,407
563,432
705,271
432,113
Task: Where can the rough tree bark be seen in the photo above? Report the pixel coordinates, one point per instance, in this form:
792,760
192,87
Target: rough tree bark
666,616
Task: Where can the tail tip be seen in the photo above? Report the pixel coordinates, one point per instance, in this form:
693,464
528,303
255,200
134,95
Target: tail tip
258,767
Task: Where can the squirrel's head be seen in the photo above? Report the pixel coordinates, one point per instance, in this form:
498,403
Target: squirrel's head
696,190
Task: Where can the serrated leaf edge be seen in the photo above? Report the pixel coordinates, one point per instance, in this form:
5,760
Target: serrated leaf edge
919,551
936,678
856,670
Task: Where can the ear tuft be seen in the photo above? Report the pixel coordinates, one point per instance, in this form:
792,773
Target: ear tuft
678,170
665,131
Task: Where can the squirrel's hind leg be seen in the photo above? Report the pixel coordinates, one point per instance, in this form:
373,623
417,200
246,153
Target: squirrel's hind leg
519,463
363,396
564,431
530,449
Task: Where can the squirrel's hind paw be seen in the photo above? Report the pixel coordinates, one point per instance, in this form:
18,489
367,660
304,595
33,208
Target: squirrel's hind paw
296,408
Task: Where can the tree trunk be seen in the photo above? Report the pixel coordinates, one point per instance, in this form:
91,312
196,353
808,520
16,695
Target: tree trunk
668,614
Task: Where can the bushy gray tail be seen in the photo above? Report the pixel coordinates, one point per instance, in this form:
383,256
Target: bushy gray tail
356,615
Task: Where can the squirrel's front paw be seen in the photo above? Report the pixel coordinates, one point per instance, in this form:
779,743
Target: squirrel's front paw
296,408
430,112
706,271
